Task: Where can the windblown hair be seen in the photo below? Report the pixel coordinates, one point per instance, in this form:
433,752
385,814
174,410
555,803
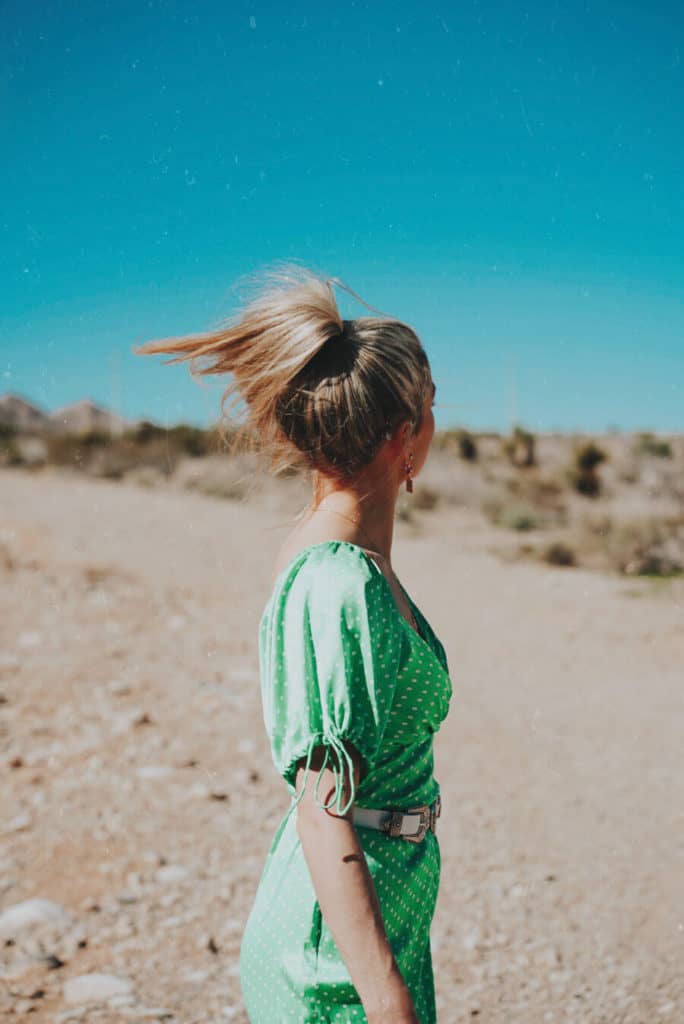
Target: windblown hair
320,391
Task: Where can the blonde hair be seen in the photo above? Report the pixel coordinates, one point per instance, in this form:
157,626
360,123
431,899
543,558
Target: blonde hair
320,391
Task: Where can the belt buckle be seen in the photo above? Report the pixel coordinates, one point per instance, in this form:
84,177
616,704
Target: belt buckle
425,816
435,812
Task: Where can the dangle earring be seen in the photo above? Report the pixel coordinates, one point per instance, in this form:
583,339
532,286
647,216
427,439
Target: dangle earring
408,469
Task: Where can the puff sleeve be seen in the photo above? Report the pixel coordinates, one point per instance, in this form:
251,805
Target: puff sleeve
330,669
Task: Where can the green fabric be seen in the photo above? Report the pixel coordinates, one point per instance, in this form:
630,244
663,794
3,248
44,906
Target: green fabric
339,662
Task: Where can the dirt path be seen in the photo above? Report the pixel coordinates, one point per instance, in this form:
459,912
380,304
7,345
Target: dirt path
134,757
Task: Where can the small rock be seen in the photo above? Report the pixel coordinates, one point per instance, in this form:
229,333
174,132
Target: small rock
198,791
172,873
194,976
32,912
53,962
96,988
73,1013
119,689
121,1000
128,896
153,771
18,823
23,1006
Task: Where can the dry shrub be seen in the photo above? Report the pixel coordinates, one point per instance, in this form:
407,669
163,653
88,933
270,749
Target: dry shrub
458,440
7,563
425,498
641,547
583,474
512,515
96,574
649,444
560,554
231,477
520,448
546,495
147,445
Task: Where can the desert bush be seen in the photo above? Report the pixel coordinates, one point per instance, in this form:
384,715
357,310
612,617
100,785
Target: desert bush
144,432
647,444
232,477
425,498
583,475
68,450
589,456
645,547
181,438
192,441
559,553
545,495
10,451
520,448
28,450
94,575
511,515
467,448
459,440
94,438
231,490
113,459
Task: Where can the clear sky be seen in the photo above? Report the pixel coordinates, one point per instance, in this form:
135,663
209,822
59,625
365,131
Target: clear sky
508,178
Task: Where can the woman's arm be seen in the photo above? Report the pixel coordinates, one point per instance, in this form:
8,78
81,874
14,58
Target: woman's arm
347,896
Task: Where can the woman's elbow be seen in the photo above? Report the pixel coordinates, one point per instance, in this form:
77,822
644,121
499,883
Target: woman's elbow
312,817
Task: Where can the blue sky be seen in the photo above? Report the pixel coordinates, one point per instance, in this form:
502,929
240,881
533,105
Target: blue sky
505,177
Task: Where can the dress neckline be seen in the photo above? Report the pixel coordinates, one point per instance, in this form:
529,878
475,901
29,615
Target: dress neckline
419,617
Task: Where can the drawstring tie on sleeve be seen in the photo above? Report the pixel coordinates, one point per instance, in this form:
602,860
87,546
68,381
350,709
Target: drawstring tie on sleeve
330,740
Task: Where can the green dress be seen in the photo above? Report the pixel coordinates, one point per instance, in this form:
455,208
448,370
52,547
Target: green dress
339,661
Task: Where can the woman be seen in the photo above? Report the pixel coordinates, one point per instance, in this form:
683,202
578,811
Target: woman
354,681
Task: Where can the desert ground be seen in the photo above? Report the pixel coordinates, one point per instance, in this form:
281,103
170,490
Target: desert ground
139,798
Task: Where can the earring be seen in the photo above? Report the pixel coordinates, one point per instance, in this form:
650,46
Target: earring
408,470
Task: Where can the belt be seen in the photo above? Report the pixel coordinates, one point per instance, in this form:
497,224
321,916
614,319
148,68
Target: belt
411,824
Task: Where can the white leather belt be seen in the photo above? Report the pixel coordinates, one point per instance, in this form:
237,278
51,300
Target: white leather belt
411,824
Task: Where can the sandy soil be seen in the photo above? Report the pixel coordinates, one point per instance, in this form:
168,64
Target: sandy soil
139,796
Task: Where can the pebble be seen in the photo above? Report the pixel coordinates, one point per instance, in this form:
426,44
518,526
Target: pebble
96,988
30,913
153,771
119,688
17,824
172,873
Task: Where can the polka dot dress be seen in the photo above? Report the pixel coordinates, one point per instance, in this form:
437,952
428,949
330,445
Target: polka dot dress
338,661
